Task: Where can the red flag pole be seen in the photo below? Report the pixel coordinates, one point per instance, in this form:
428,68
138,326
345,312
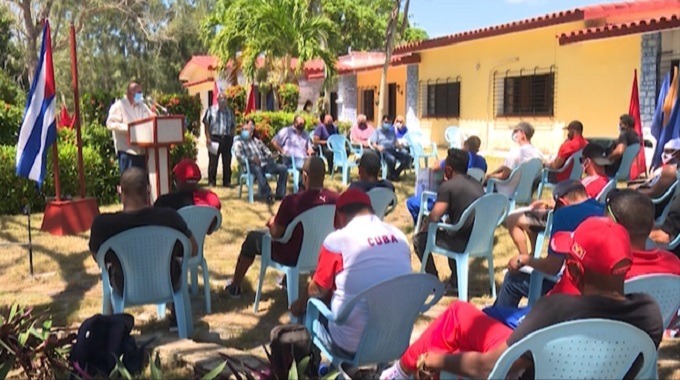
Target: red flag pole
76,116
55,166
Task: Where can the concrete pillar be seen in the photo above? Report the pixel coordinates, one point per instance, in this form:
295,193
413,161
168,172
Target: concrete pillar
347,91
647,80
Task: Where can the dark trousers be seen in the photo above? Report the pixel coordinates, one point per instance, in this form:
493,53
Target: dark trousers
224,150
419,243
393,156
279,170
515,286
328,154
127,160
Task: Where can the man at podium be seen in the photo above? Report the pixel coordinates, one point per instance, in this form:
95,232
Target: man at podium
124,111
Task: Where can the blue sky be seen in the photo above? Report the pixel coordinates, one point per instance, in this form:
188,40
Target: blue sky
442,17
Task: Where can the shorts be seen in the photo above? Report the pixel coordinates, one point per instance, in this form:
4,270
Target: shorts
536,219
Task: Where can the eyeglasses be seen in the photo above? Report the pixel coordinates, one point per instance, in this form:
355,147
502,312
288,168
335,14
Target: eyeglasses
582,159
607,201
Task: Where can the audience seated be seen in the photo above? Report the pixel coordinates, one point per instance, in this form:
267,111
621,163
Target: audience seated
455,194
320,136
523,152
400,129
466,342
627,137
572,207
187,175
261,162
294,142
369,168
363,252
670,228
593,160
663,177
573,144
361,131
314,194
385,141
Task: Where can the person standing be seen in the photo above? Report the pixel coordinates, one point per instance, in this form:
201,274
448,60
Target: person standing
124,111
219,123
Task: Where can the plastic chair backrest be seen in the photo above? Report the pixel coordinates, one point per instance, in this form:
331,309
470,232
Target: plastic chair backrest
453,137
477,174
530,171
199,219
393,306
626,161
583,349
602,197
242,164
145,254
489,210
337,144
576,169
381,200
415,143
664,288
317,223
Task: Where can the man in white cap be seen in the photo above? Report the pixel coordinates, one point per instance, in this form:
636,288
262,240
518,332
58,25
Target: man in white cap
663,177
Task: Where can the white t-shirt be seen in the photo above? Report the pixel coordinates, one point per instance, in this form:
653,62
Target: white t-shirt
517,156
367,251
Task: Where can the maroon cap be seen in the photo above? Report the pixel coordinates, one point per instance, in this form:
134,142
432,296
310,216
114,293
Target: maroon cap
348,197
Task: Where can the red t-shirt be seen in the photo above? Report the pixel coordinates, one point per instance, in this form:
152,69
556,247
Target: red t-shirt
292,206
567,149
594,184
655,261
206,198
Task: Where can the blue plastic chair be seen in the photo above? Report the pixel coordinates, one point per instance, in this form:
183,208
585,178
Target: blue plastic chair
608,188
543,235
383,200
340,145
668,196
664,288
200,219
383,164
454,137
583,349
477,174
527,172
294,172
393,306
145,254
424,212
623,174
417,150
244,176
317,223
488,211
575,174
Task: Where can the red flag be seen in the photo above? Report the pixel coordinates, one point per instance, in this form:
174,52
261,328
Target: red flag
216,92
65,120
250,106
639,166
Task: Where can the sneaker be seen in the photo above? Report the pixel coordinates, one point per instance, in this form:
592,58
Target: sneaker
270,200
233,291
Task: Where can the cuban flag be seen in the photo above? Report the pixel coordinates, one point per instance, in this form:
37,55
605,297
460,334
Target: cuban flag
39,127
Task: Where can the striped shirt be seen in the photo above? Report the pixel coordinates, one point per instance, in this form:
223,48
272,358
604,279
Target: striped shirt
219,122
251,149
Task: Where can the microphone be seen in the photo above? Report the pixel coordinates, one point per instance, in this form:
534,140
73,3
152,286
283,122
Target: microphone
155,104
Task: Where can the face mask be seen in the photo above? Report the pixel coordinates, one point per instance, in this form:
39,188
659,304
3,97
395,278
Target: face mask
245,134
330,125
300,127
139,97
222,103
667,157
362,125
515,137
398,125
386,126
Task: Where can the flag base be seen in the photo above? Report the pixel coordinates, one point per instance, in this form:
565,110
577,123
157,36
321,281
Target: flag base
69,217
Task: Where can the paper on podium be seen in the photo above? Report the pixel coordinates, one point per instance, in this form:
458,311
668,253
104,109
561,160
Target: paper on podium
213,148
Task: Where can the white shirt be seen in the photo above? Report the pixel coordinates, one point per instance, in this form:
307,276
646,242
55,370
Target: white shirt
517,156
367,251
121,114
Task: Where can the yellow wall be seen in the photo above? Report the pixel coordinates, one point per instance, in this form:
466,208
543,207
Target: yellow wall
367,79
592,83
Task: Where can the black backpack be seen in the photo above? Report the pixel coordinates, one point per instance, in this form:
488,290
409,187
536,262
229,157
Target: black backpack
289,344
102,339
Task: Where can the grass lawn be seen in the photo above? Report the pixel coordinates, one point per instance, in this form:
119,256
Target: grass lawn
67,280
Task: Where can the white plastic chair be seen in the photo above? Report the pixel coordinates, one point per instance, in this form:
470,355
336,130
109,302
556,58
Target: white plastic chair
477,174
454,137
317,223
576,172
664,288
200,219
145,254
417,149
339,145
383,201
583,349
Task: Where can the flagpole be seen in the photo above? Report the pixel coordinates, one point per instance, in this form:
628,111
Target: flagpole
55,164
76,117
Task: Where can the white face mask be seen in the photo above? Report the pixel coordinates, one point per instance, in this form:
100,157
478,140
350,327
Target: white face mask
667,157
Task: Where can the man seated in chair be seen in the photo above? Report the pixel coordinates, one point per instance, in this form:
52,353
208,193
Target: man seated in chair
627,137
134,187
573,144
187,175
523,152
361,132
455,195
363,252
663,177
320,136
293,142
314,194
261,162
466,342
572,207
670,228
369,167
384,140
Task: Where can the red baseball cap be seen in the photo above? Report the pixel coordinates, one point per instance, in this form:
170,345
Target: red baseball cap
186,171
599,244
348,197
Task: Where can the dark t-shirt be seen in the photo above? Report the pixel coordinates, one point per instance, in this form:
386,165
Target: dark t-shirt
180,199
368,186
626,138
671,225
459,192
292,206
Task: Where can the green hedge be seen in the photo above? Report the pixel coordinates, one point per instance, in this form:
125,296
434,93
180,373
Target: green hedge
289,95
10,121
94,106
183,104
268,123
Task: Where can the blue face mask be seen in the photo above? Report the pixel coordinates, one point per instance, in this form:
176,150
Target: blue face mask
245,135
387,126
139,97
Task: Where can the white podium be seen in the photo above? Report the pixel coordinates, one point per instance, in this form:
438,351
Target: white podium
157,134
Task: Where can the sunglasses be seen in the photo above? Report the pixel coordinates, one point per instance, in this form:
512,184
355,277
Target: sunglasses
607,202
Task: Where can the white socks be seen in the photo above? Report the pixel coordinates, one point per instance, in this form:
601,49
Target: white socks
393,373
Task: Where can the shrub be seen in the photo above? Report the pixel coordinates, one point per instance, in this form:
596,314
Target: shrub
186,150
288,96
183,104
10,92
10,121
236,99
94,106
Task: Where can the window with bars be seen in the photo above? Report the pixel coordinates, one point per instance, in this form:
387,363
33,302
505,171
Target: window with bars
442,100
528,95
368,104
